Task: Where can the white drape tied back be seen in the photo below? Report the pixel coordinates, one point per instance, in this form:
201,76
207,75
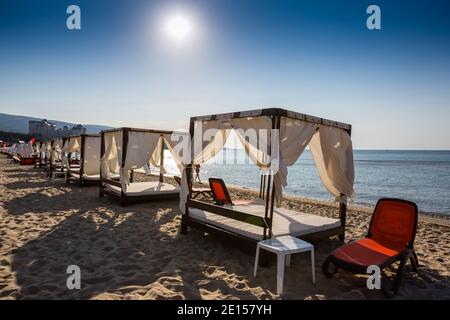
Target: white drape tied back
294,138
91,159
332,151
209,139
143,147
331,148
72,145
112,158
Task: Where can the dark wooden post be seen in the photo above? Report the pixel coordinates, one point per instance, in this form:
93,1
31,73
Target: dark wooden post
161,161
123,196
268,212
82,151
342,217
184,217
260,186
343,206
101,192
275,126
64,140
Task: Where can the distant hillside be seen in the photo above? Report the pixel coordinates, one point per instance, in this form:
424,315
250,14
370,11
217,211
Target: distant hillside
12,123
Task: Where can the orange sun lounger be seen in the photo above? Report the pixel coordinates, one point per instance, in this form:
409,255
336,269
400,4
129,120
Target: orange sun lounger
221,195
390,239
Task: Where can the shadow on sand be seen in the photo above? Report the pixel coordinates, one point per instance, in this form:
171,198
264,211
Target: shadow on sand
137,252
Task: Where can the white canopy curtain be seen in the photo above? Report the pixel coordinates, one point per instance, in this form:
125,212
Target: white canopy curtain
331,148
73,144
141,146
112,158
91,158
56,150
64,147
215,133
254,133
293,139
140,150
332,151
48,149
156,156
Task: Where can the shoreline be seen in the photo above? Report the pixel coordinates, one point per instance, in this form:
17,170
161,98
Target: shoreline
439,218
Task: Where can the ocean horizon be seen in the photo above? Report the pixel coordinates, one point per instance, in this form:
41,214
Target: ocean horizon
421,176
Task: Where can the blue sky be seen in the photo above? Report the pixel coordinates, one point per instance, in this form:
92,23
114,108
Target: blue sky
316,57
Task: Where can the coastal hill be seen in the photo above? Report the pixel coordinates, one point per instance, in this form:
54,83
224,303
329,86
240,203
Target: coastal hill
13,123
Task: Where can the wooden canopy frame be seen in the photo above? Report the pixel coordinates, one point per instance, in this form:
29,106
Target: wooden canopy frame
124,199
266,191
80,180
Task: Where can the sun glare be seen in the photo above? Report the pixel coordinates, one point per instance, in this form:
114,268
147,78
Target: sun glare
179,27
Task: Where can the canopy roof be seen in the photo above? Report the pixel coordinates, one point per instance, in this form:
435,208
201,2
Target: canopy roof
329,141
273,112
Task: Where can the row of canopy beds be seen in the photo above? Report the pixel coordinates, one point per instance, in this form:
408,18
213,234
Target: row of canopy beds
111,158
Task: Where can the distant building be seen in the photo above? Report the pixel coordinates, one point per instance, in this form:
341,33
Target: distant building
74,131
46,129
43,128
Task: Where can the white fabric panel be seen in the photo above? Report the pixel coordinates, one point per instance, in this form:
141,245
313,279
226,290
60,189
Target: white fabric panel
294,138
156,157
202,151
332,151
112,158
73,144
56,150
254,133
64,147
48,149
91,158
141,146
170,143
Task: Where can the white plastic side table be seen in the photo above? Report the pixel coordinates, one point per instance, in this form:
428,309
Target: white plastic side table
283,247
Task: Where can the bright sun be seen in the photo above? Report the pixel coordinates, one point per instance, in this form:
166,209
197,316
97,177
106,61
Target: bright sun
179,27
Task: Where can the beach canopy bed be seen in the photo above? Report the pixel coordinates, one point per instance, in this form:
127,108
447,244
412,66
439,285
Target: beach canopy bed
87,148
245,224
25,152
124,150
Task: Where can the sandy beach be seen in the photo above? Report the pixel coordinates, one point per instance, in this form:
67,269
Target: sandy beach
137,252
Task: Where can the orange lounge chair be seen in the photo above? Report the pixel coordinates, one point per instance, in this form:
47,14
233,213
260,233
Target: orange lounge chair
390,239
221,195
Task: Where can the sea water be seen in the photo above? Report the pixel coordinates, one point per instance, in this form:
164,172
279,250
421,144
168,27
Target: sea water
419,176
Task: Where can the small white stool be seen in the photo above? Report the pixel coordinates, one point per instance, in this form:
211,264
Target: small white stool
283,247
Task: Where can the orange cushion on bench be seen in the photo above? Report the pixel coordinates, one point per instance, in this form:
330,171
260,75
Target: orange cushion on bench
366,252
